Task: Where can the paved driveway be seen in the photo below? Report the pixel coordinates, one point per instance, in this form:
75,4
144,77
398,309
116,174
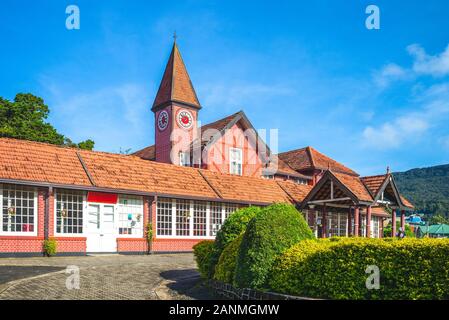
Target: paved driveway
160,276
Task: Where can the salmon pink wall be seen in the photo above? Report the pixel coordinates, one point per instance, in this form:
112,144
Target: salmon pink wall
163,144
162,138
218,154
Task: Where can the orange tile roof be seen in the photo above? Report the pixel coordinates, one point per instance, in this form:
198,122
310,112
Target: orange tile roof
277,166
132,173
247,188
406,202
297,191
45,163
373,183
148,153
309,158
176,85
355,185
41,162
379,211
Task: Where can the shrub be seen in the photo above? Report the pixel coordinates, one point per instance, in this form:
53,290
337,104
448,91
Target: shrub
274,229
408,231
233,226
409,269
225,269
50,247
202,252
149,236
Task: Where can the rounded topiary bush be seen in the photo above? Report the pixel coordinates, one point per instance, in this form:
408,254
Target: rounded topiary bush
233,226
225,269
203,252
273,230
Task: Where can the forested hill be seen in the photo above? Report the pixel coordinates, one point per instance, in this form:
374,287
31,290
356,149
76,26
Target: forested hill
427,188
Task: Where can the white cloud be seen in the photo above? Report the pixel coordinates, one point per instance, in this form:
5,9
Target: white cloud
423,64
437,65
389,73
431,109
392,134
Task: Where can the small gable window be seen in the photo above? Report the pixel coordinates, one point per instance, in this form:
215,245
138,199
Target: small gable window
235,157
184,159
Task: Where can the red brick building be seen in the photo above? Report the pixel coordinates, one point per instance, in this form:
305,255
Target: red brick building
185,185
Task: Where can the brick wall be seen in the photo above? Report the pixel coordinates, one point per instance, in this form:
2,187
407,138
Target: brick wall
34,244
131,245
175,245
25,243
71,244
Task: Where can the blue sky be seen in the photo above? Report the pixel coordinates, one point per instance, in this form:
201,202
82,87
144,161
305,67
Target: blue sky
368,98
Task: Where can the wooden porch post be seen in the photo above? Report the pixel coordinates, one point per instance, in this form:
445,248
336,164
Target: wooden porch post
349,222
393,223
324,221
356,221
381,227
368,222
403,220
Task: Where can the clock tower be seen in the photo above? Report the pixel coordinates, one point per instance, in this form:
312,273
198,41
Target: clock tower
175,109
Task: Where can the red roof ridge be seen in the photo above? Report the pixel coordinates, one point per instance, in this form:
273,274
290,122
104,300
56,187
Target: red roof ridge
309,150
39,142
292,151
375,176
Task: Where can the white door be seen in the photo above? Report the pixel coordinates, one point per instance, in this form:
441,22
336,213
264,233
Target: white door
108,240
101,235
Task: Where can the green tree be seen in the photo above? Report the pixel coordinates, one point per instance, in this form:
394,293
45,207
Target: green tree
408,231
25,118
438,218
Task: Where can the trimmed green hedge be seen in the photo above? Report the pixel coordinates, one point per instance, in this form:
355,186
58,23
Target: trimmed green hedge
273,230
233,226
335,268
203,251
225,269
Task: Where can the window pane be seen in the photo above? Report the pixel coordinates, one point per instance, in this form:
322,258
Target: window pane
164,217
18,208
69,211
182,217
199,218
130,215
215,218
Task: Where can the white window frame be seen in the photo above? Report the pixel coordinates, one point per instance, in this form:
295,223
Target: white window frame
70,235
167,200
191,208
236,161
35,217
184,159
117,222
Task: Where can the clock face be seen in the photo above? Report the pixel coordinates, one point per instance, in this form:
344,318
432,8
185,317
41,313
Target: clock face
162,120
185,119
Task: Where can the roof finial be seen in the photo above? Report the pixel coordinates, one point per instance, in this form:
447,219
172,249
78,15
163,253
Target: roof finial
388,169
175,36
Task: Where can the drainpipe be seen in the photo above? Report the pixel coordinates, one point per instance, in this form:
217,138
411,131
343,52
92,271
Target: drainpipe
47,213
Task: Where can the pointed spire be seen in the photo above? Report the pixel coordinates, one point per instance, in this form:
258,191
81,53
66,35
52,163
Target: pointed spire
175,85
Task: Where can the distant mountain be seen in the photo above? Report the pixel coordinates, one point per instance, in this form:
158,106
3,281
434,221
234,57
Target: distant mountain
427,188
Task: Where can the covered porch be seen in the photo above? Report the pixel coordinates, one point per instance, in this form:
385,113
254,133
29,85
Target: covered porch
343,205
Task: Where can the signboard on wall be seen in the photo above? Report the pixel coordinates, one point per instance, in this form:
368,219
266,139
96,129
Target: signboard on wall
102,197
